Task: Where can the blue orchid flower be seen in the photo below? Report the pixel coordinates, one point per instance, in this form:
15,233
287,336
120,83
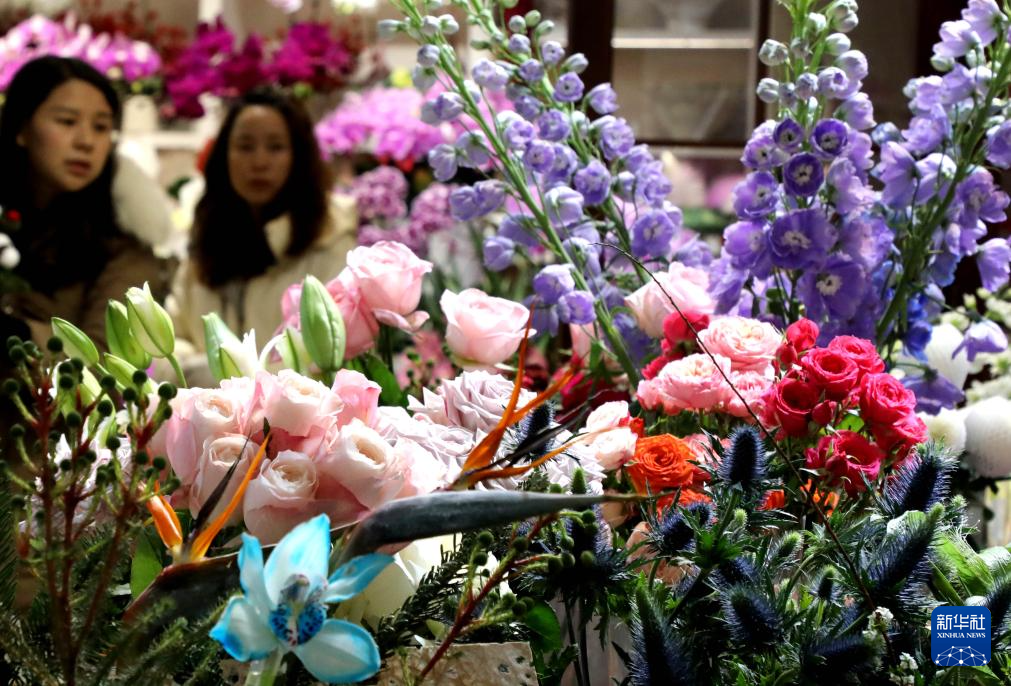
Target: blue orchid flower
284,606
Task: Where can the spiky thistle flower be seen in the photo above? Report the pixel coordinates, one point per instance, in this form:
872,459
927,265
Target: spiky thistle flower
829,659
658,654
754,622
901,556
998,601
734,572
672,532
920,483
744,460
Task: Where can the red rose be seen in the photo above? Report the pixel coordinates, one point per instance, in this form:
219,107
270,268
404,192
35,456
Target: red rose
14,215
848,458
884,400
900,436
824,412
789,404
675,330
636,424
786,356
832,370
653,368
861,351
802,334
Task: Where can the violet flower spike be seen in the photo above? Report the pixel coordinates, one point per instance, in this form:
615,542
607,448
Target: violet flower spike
803,175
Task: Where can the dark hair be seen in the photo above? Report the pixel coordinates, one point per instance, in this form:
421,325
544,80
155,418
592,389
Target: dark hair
228,244
71,232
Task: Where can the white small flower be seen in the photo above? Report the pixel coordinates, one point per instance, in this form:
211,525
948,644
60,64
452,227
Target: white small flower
388,28
947,427
772,53
9,256
816,22
944,338
837,43
768,90
988,435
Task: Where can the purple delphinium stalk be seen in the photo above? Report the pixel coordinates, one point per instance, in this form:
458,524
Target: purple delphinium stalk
498,253
746,246
898,172
652,184
762,153
566,163
985,18
531,71
998,146
553,281
848,192
552,52
651,234
833,83
933,392
472,149
982,337
994,263
755,196
789,135
803,175
490,195
835,290
539,157
616,138
957,38
602,99
926,133
725,284
829,138
585,254
445,107
568,88
519,230
553,125
800,239
528,107
519,44
857,111
519,133
638,157
576,307
564,206
490,75
979,199
867,239
594,182
443,160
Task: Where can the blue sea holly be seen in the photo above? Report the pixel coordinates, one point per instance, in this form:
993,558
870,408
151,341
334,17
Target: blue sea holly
283,606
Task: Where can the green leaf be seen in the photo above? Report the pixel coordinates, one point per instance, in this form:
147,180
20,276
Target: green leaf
376,369
8,551
970,569
146,564
547,632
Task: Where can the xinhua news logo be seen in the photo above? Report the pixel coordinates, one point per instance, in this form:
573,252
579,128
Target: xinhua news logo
960,636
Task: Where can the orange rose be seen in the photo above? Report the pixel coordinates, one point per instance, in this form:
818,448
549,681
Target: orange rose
774,500
661,463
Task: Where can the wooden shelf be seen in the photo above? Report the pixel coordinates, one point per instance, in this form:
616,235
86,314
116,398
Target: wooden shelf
660,40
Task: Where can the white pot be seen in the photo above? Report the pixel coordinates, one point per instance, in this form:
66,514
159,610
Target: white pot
140,115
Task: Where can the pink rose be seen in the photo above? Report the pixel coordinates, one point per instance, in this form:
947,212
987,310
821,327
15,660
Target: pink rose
360,396
582,341
752,386
389,275
294,403
473,400
615,445
686,285
365,464
750,344
218,457
290,303
483,329
360,323
422,471
691,383
281,496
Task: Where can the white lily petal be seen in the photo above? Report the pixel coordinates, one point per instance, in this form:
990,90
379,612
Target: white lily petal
243,632
354,576
340,653
304,550
251,573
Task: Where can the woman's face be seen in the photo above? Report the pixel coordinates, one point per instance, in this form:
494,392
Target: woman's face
259,155
68,139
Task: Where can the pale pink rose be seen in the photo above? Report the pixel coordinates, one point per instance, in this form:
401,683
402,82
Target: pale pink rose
412,323
450,444
359,394
691,383
615,444
294,403
750,344
474,400
609,415
199,414
360,324
281,496
364,463
390,275
582,340
422,471
218,457
483,329
686,285
290,303
751,385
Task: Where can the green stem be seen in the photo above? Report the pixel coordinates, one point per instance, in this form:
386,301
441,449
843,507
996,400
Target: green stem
263,672
178,370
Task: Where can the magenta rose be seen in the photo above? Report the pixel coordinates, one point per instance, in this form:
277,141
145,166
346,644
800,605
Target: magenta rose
848,458
789,404
884,400
861,351
833,371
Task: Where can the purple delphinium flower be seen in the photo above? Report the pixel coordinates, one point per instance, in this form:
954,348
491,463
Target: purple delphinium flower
789,135
528,107
985,18
803,175
994,263
566,162
652,184
957,85
755,196
472,149
520,230
725,284
490,196
624,186
638,157
978,198
957,38
531,71
498,253
806,86
651,234
935,172
800,239
519,44
519,133
925,134
445,107
829,138
490,75
553,126
544,317
854,65
616,138
568,88
594,182
576,307
553,281
984,336
857,111
584,253
463,204
762,153
636,341
442,158
564,205
848,192
867,239
552,52
933,392
898,172
428,55
745,245
833,83
836,289
603,99
861,153
539,157
998,146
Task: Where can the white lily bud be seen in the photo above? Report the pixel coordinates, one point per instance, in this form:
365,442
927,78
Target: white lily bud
150,323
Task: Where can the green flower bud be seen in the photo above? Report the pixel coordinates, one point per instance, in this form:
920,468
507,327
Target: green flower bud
129,394
485,539
54,345
122,342
216,335
150,323
481,559
293,352
322,325
123,372
75,342
166,391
